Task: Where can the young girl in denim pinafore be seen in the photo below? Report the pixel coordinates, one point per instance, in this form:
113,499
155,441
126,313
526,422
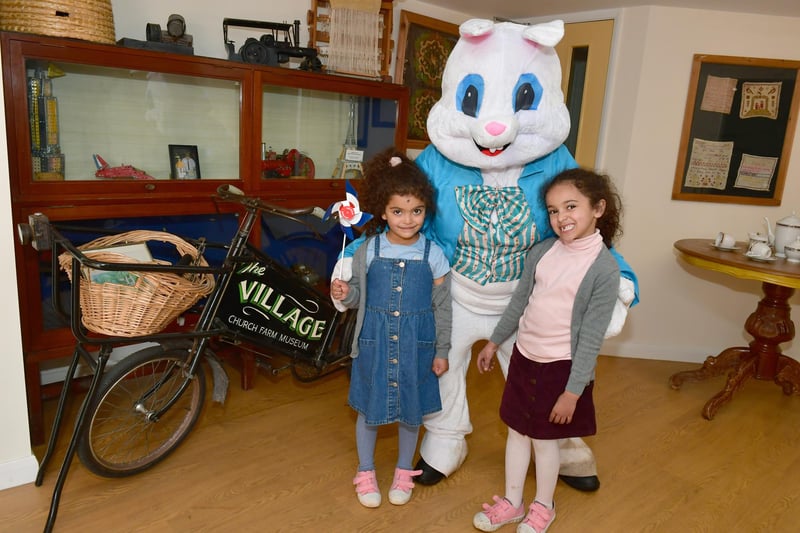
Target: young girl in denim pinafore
401,289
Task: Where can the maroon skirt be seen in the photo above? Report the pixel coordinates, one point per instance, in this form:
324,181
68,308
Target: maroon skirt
531,392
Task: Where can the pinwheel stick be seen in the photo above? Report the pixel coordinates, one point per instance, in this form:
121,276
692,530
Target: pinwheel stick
341,256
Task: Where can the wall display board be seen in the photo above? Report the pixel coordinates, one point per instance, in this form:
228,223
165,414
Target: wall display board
741,114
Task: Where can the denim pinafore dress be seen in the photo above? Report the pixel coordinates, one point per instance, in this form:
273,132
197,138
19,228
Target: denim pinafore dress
392,378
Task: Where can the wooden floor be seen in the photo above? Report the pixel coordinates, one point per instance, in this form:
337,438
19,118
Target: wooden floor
281,457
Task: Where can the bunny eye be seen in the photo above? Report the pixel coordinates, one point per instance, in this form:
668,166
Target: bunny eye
469,95
525,97
527,93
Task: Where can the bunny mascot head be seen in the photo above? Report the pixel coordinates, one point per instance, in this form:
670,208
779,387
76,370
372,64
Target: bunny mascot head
501,103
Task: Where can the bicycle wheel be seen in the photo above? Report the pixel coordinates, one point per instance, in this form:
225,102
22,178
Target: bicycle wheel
120,438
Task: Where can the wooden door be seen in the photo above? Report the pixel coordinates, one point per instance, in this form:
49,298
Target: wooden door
584,52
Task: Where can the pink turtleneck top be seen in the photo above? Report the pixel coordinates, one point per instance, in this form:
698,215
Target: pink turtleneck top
544,329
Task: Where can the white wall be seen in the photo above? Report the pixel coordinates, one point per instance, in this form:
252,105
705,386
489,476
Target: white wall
17,463
685,314
204,19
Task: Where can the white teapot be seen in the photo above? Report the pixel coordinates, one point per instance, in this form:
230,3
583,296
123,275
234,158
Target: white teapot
787,230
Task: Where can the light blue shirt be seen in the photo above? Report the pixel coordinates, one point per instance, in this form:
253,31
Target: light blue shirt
436,259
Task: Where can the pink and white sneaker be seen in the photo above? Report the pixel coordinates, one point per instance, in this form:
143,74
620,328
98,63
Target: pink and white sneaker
493,517
367,488
538,520
402,486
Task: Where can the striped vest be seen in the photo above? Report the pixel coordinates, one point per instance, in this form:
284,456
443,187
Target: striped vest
499,231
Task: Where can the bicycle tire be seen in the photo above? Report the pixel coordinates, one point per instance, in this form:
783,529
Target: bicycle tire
118,439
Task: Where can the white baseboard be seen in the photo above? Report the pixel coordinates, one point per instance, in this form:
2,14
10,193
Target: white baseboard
635,350
58,374
18,472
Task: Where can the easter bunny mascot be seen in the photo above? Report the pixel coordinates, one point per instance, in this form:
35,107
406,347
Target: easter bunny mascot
496,140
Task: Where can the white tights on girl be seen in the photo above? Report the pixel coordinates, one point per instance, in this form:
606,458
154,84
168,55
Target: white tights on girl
518,458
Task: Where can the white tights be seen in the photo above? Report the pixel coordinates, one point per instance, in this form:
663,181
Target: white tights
518,458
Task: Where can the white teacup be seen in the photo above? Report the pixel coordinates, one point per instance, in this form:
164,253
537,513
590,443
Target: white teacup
760,250
725,240
757,237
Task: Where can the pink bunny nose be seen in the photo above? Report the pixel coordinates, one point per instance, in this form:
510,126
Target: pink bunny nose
495,128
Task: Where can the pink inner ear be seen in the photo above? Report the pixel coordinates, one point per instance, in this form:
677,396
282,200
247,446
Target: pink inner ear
532,43
476,39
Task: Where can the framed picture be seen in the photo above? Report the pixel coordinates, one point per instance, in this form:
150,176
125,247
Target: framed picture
424,44
184,162
741,114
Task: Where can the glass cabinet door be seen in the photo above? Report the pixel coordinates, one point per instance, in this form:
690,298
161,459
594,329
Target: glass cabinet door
317,134
91,122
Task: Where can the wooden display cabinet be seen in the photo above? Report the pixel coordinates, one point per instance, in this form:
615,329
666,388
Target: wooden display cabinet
66,100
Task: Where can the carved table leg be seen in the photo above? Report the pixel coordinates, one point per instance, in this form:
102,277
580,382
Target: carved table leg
788,376
736,379
713,366
770,325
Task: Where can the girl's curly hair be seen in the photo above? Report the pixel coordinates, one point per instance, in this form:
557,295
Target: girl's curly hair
596,187
386,174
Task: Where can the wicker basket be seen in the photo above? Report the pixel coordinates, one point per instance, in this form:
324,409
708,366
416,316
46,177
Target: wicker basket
90,20
148,306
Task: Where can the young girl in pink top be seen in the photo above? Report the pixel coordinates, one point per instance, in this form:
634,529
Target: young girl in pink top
560,311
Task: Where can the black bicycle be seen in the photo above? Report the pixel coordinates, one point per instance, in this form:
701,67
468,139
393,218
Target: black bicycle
138,410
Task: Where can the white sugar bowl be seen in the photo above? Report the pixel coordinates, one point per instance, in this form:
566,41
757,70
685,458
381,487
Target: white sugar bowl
792,251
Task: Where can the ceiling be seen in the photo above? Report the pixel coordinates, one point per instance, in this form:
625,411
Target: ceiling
520,9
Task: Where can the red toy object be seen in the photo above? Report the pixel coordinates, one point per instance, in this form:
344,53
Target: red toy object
289,163
276,168
121,172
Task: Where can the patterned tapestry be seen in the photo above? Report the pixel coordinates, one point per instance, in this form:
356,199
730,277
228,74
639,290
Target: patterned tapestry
426,53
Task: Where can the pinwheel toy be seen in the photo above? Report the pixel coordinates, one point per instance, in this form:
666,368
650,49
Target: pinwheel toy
349,213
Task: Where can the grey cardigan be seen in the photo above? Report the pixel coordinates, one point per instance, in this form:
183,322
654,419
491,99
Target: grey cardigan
442,304
591,313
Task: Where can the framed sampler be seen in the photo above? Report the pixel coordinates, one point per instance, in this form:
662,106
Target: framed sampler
741,115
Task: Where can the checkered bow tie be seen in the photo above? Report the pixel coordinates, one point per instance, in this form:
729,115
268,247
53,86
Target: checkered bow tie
478,202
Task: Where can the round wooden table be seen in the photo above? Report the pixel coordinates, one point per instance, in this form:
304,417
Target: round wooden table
770,324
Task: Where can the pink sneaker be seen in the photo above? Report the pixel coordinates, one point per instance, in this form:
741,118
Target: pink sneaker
538,520
402,486
367,488
495,516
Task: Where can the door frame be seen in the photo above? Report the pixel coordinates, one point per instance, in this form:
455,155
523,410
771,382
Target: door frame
593,16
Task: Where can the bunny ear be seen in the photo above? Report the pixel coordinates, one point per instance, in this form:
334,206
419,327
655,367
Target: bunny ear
546,34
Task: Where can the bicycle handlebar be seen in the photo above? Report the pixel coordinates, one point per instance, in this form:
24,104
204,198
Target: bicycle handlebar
234,194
